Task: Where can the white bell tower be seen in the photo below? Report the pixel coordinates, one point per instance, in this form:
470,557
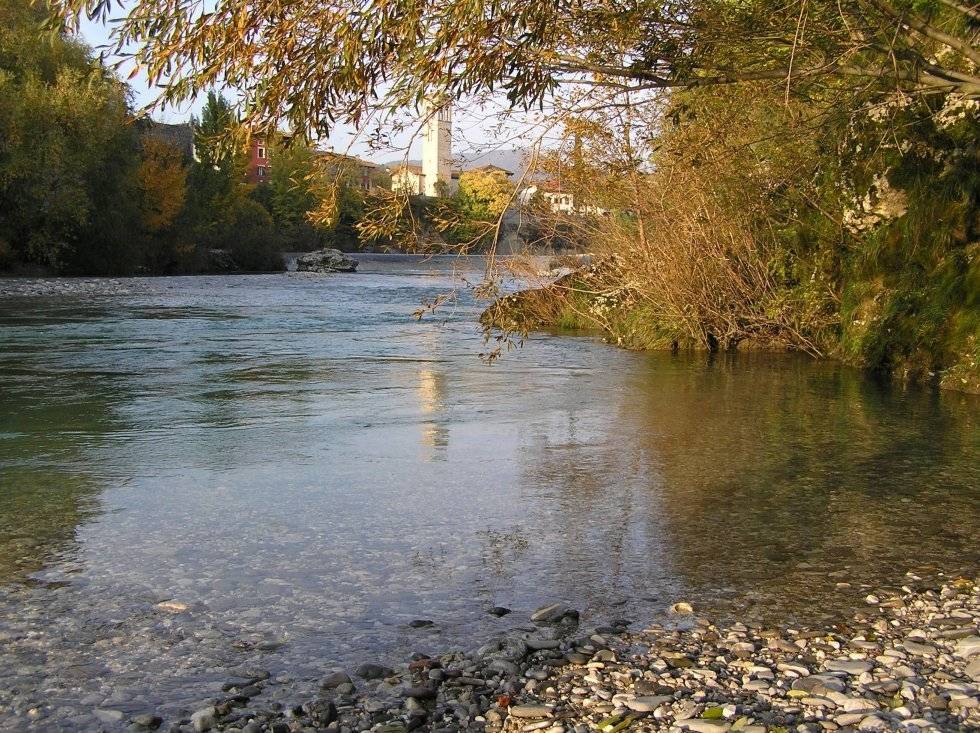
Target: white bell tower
437,151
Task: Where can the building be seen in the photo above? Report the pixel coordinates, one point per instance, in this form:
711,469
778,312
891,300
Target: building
492,169
408,178
258,168
434,176
558,200
179,136
437,151
363,173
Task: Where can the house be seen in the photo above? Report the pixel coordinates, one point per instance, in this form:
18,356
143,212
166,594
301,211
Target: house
364,174
409,178
558,200
258,168
492,170
179,136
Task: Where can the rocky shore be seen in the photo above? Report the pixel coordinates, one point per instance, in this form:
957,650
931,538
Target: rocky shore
909,662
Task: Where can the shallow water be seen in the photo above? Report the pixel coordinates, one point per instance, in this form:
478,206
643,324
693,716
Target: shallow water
308,468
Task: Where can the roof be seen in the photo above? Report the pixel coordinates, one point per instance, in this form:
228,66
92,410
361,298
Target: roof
410,167
349,159
491,168
179,136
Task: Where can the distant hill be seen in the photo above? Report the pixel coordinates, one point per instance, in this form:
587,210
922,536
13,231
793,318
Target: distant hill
512,159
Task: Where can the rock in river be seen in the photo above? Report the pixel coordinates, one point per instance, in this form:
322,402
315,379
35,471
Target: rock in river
373,671
326,260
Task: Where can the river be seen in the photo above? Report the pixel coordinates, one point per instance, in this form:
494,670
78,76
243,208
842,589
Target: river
308,468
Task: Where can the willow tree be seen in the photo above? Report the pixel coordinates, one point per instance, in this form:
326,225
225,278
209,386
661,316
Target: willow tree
312,63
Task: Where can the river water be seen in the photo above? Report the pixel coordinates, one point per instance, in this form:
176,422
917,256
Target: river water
308,468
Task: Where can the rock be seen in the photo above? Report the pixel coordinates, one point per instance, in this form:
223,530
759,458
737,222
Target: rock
334,680
531,711
373,672
504,666
818,684
148,720
204,719
549,613
968,647
420,623
420,692
704,726
498,611
172,606
682,608
872,722
326,260
109,716
539,644
850,666
648,703
973,670
322,712
914,647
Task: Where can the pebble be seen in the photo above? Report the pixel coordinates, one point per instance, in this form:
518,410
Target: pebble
204,719
647,704
550,612
905,673
531,711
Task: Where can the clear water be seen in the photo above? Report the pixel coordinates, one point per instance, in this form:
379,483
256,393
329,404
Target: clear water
308,468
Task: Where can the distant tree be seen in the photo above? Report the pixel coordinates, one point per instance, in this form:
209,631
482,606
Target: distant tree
162,178
291,195
67,151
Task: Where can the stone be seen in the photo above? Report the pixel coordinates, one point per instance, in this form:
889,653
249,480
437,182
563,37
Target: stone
373,672
148,720
850,666
539,644
172,606
968,647
743,649
204,719
109,716
872,722
972,670
914,647
549,613
531,711
326,260
682,608
499,611
420,623
704,726
818,684
334,680
420,692
648,703
504,666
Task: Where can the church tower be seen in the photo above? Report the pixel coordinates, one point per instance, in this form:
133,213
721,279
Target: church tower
437,151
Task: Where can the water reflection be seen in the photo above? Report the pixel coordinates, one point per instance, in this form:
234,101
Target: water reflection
51,425
782,478
432,390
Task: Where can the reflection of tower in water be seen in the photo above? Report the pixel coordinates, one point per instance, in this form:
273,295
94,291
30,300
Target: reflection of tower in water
432,391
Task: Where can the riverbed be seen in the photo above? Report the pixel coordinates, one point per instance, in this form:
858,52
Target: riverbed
205,476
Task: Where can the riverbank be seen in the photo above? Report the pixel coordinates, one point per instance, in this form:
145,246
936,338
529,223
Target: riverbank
596,298
909,662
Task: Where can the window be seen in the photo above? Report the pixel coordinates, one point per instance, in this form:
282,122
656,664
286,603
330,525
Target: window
261,171
261,155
